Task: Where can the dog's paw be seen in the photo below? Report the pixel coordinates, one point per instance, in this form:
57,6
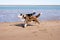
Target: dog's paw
25,25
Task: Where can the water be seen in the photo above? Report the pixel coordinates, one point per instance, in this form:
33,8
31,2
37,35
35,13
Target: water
10,13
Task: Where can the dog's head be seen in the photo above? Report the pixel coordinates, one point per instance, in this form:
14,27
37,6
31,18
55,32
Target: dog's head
21,16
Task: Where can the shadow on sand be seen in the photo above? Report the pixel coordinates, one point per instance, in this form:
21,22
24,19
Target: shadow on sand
22,25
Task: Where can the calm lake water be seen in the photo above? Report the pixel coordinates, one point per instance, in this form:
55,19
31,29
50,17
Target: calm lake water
10,13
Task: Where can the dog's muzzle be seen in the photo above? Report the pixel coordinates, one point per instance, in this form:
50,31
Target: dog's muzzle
19,16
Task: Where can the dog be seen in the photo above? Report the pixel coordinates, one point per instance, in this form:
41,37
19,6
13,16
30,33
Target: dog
29,18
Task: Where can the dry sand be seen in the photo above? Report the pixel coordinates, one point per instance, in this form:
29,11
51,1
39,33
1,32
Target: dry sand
47,30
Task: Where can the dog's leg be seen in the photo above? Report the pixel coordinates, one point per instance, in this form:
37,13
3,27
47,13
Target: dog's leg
25,25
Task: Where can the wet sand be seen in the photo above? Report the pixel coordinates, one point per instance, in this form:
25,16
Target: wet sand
46,30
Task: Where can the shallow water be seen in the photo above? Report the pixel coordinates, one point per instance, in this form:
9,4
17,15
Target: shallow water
10,13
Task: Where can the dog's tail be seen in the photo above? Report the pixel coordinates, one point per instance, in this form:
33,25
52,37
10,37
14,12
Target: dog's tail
38,15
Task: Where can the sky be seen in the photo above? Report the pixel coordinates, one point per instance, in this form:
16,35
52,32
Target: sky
29,2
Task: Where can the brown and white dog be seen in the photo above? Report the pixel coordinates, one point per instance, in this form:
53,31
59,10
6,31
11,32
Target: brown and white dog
29,17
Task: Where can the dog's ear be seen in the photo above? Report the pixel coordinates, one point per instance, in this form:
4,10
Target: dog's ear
23,15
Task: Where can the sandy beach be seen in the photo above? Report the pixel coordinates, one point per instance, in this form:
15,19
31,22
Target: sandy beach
46,30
